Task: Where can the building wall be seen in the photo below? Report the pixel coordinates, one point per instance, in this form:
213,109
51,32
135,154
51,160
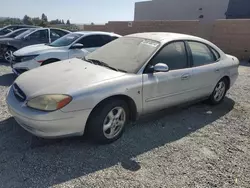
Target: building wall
232,36
181,10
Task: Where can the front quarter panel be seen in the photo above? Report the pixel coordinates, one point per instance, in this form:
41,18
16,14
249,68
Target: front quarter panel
87,98
61,55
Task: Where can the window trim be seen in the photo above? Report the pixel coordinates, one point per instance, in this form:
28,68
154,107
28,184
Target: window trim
209,48
163,46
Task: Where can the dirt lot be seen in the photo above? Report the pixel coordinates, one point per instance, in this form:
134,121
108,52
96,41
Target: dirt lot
196,146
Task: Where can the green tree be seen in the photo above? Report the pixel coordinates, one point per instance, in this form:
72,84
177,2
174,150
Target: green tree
68,22
44,18
27,20
36,21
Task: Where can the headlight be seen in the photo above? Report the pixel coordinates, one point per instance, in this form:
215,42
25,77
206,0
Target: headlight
49,102
27,58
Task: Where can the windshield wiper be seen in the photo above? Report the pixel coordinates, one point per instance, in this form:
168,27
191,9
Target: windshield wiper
98,62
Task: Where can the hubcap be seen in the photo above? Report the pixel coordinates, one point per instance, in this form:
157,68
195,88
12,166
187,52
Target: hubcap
219,91
114,122
8,55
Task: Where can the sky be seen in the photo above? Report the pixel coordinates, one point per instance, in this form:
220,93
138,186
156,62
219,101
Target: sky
77,11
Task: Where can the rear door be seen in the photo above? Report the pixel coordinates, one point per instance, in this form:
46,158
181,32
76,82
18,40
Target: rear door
205,68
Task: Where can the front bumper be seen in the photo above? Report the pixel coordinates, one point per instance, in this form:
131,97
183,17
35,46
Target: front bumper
47,124
21,67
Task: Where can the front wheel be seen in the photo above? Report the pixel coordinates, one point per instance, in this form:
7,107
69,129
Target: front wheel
107,122
219,92
8,54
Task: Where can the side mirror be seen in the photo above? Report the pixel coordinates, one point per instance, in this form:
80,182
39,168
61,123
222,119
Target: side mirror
77,46
161,67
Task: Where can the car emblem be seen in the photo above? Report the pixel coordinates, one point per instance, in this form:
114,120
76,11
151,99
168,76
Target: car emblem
16,92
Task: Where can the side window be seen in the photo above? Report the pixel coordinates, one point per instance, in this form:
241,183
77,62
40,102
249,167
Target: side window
106,39
39,35
57,33
174,55
201,54
54,34
216,54
92,41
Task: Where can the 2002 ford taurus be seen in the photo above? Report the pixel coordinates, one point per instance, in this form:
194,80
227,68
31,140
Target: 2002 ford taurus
131,76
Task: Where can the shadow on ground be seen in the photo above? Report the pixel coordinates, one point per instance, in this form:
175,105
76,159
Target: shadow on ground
245,64
7,79
28,161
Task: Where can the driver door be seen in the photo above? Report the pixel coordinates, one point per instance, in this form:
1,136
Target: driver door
38,37
165,89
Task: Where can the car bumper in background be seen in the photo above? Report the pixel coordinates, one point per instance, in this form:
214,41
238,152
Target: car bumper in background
21,67
47,124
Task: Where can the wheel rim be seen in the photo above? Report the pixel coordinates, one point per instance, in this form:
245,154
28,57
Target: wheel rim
219,91
114,122
8,55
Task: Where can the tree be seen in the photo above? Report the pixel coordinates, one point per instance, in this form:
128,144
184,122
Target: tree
44,18
63,22
68,22
27,20
92,23
36,21
43,23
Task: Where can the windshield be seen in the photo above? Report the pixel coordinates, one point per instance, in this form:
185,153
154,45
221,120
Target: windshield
127,53
25,33
66,40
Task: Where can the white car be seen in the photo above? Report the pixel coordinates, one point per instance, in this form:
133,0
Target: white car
129,77
76,44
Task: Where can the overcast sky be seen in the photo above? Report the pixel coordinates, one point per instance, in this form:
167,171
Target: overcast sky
78,11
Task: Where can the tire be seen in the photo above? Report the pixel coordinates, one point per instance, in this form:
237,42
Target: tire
219,92
49,61
8,54
101,125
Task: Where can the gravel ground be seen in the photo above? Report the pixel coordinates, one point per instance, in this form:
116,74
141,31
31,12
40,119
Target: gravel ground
195,146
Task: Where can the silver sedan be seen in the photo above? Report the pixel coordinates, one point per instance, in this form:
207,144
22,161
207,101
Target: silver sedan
129,77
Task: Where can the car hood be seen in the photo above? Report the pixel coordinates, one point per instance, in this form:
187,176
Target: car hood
64,77
3,36
5,40
34,50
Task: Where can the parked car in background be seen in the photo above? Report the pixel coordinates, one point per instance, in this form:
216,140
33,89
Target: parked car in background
131,76
76,44
29,37
7,29
14,33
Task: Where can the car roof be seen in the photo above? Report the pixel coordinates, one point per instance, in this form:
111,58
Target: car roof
96,32
164,37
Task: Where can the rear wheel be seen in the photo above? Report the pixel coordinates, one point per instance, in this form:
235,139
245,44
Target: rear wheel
219,92
107,122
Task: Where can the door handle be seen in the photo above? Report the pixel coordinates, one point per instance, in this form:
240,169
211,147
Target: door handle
185,76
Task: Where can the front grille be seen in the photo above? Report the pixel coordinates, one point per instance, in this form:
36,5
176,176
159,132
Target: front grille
19,94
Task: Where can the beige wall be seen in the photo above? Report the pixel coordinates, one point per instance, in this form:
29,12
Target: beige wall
232,36
181,10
